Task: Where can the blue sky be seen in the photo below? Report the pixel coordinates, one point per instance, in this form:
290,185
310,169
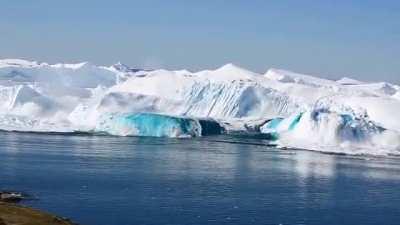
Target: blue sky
359,38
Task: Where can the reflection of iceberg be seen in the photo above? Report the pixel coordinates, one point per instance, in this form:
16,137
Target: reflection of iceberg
310,165
157,125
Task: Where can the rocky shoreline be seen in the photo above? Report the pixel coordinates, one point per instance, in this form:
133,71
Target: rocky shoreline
13,214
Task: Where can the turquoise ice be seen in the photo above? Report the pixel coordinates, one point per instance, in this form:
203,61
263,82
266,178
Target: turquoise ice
158,125
274,126
149,124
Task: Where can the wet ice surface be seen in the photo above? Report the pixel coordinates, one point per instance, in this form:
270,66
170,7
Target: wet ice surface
103,180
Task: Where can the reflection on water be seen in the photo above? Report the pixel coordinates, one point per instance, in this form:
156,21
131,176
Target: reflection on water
309,164
216,180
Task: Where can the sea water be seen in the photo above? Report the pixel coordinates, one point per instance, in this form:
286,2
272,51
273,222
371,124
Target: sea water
103,180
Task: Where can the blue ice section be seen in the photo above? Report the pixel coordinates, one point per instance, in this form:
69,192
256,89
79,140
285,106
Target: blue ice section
157,125
271,127
274,123
295,121
357,128
351,128
347,119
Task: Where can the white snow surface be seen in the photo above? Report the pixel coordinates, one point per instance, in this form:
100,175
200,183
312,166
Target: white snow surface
349,81
38,96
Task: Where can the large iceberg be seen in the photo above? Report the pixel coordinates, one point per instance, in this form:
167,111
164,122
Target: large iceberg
295,110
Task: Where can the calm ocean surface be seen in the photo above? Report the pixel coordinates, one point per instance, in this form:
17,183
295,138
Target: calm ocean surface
100,180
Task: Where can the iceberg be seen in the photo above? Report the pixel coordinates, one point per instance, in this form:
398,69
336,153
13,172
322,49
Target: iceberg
293,109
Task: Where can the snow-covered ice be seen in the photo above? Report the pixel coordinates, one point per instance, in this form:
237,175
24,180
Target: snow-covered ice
302,111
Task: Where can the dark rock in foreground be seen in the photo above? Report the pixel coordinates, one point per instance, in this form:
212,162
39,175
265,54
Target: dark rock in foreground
11,214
